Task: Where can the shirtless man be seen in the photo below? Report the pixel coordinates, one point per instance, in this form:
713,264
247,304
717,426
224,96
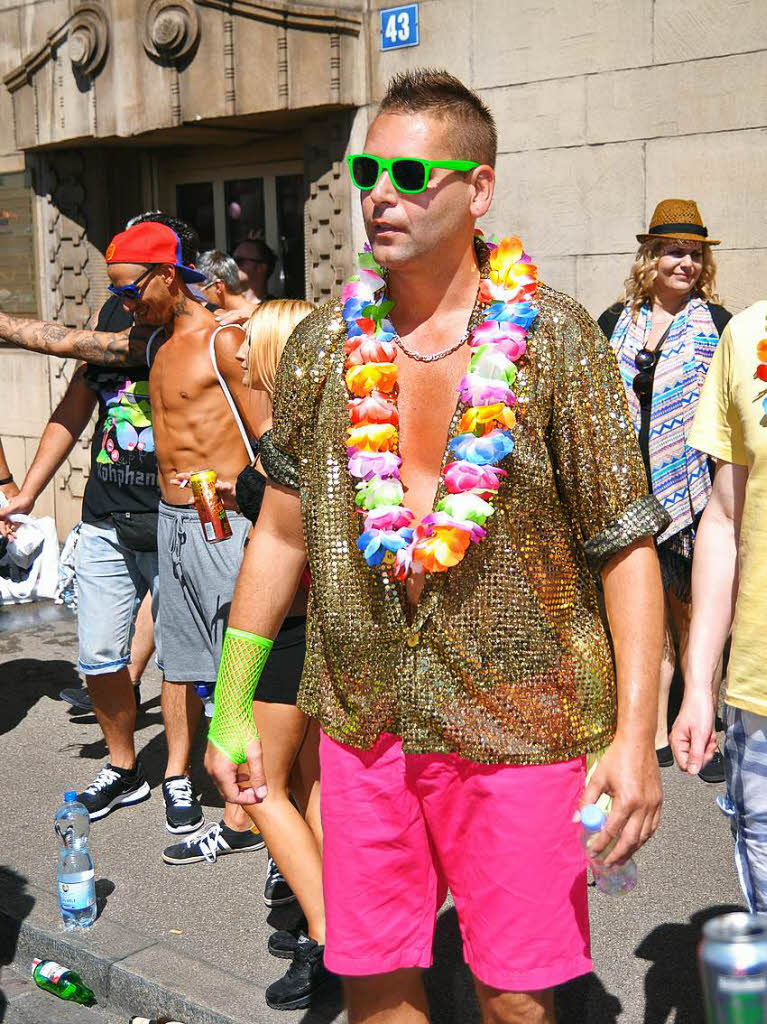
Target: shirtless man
194,429
255,262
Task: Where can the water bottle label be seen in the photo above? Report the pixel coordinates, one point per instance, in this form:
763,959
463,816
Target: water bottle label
78,892
52,971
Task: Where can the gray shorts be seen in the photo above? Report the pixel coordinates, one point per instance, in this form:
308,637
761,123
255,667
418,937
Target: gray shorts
196,585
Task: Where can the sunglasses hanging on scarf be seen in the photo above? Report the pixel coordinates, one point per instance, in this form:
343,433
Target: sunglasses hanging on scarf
645,362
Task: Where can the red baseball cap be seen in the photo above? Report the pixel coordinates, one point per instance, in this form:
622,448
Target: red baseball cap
151,242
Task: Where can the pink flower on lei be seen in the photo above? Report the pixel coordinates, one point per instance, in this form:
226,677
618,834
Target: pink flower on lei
478,390
509,338
441,520
363,464
367,349
465,476
387,517
375,408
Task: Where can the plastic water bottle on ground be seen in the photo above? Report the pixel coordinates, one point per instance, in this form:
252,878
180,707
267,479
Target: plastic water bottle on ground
205,692
61,982
613,880
76,876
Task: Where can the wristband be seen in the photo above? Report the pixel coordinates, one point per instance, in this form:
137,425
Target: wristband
6,480
242,661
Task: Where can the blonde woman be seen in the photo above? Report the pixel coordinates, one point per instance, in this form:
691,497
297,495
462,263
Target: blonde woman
290,740
664,332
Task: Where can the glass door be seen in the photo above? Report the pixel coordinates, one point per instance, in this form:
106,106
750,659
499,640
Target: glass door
229,205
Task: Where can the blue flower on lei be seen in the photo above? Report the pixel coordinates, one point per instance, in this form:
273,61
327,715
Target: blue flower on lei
376,544
522,313
483,451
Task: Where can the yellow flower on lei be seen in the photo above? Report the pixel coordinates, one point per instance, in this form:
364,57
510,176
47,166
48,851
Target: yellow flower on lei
372,437
365,378
481,419
503,262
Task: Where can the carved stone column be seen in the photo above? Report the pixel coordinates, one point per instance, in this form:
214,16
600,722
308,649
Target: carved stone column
329,256
72,278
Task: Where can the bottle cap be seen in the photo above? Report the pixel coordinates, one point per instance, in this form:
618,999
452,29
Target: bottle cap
593,818
70,796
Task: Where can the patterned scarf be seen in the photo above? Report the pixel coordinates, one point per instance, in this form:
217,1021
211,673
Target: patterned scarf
680,477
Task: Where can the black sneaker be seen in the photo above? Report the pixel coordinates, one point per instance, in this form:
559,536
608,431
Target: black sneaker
714,770
183,812
112,788
282,944
277,892
303,978
215,840
80,699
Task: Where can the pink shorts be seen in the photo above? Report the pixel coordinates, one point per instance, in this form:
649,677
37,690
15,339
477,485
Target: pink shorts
399,829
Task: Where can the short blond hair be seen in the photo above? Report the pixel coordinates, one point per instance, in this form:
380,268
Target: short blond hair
267,333
638,286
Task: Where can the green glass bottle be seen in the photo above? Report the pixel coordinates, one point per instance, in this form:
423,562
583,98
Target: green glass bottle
61,982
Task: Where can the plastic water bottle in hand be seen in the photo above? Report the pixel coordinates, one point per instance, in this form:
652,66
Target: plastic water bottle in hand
613,880
60,981
76,877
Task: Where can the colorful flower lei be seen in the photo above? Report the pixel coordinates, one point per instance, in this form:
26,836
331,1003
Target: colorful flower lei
498,342
761,366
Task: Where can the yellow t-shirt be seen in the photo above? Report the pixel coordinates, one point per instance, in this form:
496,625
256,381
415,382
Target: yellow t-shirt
730,424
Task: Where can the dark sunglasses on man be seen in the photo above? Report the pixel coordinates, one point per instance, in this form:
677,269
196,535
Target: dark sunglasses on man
131,291
408,174
249,259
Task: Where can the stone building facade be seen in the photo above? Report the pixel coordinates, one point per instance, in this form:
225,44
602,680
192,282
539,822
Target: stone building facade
238,113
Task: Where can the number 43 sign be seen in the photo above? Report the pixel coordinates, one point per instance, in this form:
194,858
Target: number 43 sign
399,27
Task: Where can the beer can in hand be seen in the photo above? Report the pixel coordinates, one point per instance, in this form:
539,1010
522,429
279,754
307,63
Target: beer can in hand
733,966
210,507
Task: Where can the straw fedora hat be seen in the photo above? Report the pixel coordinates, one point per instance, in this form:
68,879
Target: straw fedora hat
678,218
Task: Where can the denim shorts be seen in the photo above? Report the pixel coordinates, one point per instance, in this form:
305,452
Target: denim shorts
745,800
112,581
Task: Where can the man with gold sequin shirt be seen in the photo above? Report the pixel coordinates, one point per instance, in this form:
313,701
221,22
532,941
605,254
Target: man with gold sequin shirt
452,450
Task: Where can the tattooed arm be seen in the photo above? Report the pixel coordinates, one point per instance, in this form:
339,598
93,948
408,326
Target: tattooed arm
99,347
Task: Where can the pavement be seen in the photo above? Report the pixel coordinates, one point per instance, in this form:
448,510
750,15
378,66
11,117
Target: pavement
191,941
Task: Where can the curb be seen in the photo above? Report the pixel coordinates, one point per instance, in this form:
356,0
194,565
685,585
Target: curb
132,973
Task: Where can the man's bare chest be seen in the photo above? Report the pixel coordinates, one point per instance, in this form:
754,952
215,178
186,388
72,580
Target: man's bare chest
426,402
183,381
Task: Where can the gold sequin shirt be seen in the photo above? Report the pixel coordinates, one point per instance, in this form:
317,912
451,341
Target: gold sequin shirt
505,659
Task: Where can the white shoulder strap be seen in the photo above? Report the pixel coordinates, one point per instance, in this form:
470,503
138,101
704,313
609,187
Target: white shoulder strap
228,393
152,336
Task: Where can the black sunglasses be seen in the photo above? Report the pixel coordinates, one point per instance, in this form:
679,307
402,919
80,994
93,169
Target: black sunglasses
642,384
131,291
249,259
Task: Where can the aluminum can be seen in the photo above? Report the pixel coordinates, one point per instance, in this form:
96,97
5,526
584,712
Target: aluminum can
210,507
733,965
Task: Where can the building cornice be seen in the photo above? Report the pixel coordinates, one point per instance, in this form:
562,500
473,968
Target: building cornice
89,19
87,32
292,16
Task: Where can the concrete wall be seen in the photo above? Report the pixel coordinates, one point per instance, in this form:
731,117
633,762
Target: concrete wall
604,107
25,399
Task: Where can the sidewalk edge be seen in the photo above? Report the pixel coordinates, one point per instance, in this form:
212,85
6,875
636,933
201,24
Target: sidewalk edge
145,976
